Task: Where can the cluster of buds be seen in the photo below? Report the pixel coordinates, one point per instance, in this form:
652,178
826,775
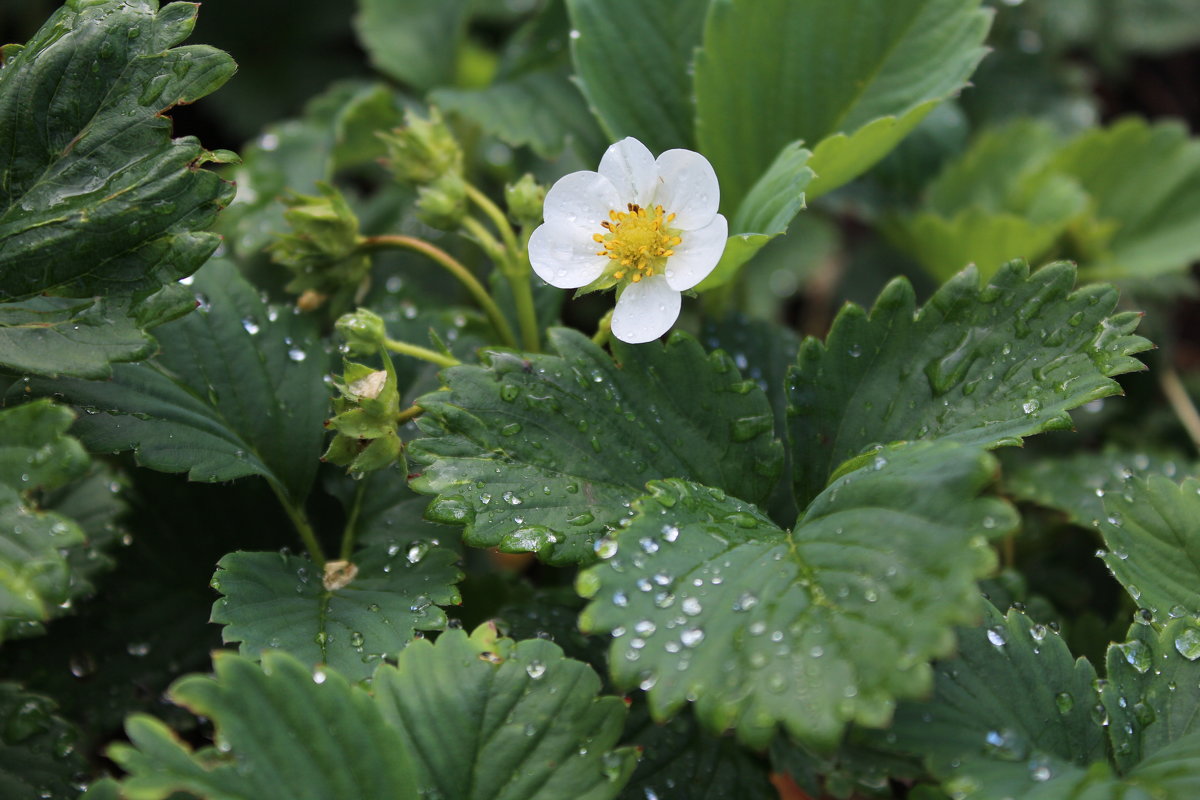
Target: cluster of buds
425,154
322,249
368,406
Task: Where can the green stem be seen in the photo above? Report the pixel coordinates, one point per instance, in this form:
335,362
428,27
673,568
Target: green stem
497,217
603,329
303,527
411,412
423,353
510,262
351,530
444,259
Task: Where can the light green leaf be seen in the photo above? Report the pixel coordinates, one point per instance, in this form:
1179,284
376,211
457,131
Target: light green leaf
996,202
985,239
979,365
276,601
489,718
95,196
1153,692
817,69
1152,531
840,158
1145,182
633,60
236,391
774,201
413,41
38,750
708,600
1011,711
35,455
679,760
542,453
541,109
291,734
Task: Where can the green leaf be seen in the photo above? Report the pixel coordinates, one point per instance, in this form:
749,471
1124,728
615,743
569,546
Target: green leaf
490,718
679,760
542,453
35,454
1011,711
78,338
236,391
291,734
979,365
95,196
1145,182
987,240
708,600
38,750
1152,531
276,601
633,60
822,68
541,109
774,201
413,41
1077,484
840,158
1153,692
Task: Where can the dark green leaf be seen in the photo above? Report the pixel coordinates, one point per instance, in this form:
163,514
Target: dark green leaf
709,600
979,365
634,63
35,454
95,196
1153,692
821,68
1152,530
38,755
681,761
413,41
78,338
236,391
540,109
1013,710
490,718
291,734
543,453
276,601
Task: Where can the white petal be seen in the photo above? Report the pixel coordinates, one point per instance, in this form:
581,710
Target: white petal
630,167
565,256
582,199
645,311
687,188
697,254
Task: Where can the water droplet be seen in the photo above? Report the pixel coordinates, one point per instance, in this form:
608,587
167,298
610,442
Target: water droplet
1188,643
511,429
1031,406
691,637
1064,702
535,669
509,392
296,354
996,636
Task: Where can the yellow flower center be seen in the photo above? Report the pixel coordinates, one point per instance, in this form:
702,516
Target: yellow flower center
638,240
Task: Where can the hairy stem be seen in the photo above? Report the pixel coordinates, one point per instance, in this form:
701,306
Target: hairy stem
1181,403
351,530
423,353
455,267
299,519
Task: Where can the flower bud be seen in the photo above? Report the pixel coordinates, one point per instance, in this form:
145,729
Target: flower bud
424,150
525,199
322,247
363,331
443,203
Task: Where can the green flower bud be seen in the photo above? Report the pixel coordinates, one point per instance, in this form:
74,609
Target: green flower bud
424,150
321,250
443,203
525,199
363,331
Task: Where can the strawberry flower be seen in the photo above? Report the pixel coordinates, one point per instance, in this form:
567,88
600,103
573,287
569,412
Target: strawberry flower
647,226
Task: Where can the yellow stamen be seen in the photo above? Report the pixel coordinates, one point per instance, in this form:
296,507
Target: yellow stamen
639,241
